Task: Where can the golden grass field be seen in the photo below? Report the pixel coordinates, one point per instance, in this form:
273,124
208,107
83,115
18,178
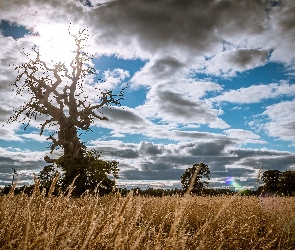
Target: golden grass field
138,222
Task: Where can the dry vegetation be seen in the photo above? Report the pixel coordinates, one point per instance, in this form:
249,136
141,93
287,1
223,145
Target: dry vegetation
138,222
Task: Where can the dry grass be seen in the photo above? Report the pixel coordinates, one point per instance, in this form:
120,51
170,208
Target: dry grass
136,222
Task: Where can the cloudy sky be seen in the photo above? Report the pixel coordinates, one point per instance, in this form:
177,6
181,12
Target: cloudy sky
208,81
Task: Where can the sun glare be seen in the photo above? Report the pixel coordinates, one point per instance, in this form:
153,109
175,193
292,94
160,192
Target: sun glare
55,44
230,181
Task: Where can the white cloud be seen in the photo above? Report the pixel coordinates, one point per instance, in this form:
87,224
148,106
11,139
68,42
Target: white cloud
21,155
256,93
35,137
227,63
283,33
281,120
244,136
151,161
7,133
100,2
147,29
180,102
125,120
169,47
171,106
114,77
159,70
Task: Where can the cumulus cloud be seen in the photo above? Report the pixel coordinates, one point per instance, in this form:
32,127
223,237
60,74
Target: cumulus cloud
206,149
125,120
157,71
281,120
24,162
166,26
158,161
151,161
151,149
256,93
175,107
283,33
136,17
244,136
143,29
8,133
179,107
227,63
35,137
113,78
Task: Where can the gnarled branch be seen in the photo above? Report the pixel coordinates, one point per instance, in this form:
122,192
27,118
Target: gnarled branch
57,93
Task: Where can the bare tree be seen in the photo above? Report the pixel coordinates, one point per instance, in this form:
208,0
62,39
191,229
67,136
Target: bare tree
58,93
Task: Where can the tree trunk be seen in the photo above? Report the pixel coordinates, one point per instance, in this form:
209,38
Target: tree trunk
68,138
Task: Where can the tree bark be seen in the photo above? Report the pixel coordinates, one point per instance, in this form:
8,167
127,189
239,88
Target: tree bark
67,137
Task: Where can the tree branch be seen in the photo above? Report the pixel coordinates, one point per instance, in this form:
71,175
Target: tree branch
57,92
44,124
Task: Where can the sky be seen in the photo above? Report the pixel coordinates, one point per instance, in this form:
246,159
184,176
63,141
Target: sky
207,81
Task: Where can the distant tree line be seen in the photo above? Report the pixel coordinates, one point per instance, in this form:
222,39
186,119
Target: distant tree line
159,192
194,181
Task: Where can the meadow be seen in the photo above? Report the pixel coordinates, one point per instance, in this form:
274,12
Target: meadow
139,222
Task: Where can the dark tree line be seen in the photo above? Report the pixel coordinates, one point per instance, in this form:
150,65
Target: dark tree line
277,182
195,181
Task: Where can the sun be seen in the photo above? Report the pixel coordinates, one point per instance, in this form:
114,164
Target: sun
55,43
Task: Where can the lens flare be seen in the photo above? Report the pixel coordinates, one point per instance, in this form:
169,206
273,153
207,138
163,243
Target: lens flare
230,181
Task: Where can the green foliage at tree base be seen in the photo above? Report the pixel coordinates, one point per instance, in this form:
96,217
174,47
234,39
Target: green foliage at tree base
87,172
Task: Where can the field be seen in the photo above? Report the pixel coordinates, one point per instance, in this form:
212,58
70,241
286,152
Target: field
138,222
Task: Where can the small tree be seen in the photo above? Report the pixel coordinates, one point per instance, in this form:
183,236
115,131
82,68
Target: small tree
271,179
193,178
57,93
287,182
279,182
46,176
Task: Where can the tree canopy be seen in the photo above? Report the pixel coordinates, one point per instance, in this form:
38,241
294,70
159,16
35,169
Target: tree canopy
90,172
278,182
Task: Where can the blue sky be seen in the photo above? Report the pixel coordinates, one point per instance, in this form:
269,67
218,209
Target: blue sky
208,81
